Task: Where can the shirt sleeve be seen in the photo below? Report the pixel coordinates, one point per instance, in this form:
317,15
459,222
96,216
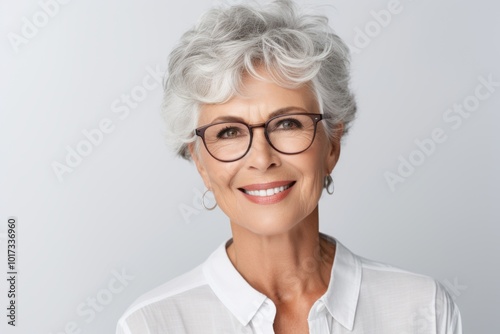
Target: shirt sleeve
448,319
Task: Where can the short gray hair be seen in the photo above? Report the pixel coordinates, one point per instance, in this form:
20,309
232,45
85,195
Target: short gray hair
208,64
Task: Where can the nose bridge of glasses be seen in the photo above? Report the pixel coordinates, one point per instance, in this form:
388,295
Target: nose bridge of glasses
254,126
264,129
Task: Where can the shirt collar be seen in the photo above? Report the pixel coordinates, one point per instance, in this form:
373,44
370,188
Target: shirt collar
341,297
230,287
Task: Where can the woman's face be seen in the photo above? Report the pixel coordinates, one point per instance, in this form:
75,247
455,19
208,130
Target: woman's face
265,168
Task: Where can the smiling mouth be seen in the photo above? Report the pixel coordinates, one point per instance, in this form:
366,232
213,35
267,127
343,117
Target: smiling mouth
267,192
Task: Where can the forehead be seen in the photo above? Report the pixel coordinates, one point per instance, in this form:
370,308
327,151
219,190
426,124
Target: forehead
258,100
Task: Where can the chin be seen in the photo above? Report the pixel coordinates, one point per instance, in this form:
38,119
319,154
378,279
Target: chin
268,225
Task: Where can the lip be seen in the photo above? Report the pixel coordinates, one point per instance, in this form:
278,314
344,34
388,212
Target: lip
271,199
263,186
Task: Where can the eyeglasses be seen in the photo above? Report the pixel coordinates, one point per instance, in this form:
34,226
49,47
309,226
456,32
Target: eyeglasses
287,134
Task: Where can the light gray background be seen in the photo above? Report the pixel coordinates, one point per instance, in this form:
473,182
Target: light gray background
132,206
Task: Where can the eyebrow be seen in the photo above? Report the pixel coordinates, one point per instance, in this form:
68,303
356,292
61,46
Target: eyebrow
281,111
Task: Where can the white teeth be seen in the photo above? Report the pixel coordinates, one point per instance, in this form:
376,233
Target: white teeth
266,192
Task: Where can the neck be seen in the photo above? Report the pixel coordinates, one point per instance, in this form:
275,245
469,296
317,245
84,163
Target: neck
286,267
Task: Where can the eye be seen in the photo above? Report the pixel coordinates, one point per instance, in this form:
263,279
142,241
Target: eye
228,132
288,124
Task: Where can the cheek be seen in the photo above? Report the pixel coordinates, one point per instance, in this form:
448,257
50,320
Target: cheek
317,160
216,171
221,178
314,169
313,182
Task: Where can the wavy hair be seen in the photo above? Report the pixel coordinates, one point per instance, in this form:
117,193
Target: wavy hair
295,48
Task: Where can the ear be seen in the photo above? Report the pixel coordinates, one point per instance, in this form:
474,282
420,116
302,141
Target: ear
334,149
199,164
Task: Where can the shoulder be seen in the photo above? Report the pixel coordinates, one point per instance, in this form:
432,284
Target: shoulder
379,272
419,298
172,297
388,280
176,286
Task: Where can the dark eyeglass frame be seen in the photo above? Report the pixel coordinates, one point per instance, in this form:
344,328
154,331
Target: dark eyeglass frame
315,118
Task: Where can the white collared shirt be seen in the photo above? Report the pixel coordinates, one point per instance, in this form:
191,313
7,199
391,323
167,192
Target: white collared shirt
362,297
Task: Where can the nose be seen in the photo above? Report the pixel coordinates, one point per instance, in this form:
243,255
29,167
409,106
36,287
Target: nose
261,155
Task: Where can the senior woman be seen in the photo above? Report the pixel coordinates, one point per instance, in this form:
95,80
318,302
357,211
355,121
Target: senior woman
258,98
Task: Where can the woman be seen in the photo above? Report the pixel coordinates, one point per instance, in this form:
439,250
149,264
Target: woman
259,99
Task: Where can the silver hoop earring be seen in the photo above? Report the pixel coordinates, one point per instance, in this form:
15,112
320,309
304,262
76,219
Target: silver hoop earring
203,201
328,184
